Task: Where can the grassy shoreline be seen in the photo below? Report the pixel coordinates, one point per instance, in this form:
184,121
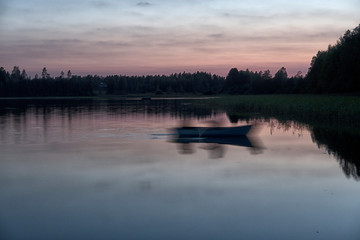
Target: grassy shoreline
327,109
105,96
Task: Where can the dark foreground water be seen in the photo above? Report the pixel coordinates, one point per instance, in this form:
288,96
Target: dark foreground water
112,170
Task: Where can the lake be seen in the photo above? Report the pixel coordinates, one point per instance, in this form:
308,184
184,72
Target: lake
113,169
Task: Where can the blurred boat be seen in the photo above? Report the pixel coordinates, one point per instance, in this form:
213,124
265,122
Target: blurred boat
202,132
235,141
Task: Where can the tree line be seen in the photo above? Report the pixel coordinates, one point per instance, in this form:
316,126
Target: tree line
337,69
333,71
18,84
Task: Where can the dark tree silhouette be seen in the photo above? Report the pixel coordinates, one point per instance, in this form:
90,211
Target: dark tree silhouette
15,74
69,74
45,74
233,81
337,69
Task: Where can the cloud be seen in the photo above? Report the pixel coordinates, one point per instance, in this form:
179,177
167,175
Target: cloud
217,35
247,16
101,4
113,44
2,10
127,33
143,4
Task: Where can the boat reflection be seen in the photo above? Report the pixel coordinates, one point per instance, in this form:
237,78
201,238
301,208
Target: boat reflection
216,146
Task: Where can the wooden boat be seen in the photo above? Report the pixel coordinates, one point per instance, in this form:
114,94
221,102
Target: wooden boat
191,132
242,141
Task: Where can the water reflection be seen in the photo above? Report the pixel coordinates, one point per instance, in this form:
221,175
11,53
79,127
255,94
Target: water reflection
68,120
343,145
42,121
338,140
216,147
92,169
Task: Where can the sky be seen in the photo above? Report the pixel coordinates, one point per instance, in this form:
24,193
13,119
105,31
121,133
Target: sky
132,37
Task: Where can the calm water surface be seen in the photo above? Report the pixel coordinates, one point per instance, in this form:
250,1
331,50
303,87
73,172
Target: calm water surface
113,170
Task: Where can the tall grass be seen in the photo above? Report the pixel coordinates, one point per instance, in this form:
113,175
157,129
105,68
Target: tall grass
313,108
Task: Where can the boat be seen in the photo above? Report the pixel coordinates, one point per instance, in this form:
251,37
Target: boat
242,141
202,132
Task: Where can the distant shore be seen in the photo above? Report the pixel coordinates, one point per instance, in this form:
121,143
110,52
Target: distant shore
123,97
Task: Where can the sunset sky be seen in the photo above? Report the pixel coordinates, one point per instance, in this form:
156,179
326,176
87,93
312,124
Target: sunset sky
130,37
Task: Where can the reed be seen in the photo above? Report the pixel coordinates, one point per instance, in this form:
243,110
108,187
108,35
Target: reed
319,108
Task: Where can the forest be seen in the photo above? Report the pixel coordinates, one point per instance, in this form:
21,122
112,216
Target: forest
335,70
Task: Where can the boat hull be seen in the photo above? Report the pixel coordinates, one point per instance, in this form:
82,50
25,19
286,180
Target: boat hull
213,132
242,141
